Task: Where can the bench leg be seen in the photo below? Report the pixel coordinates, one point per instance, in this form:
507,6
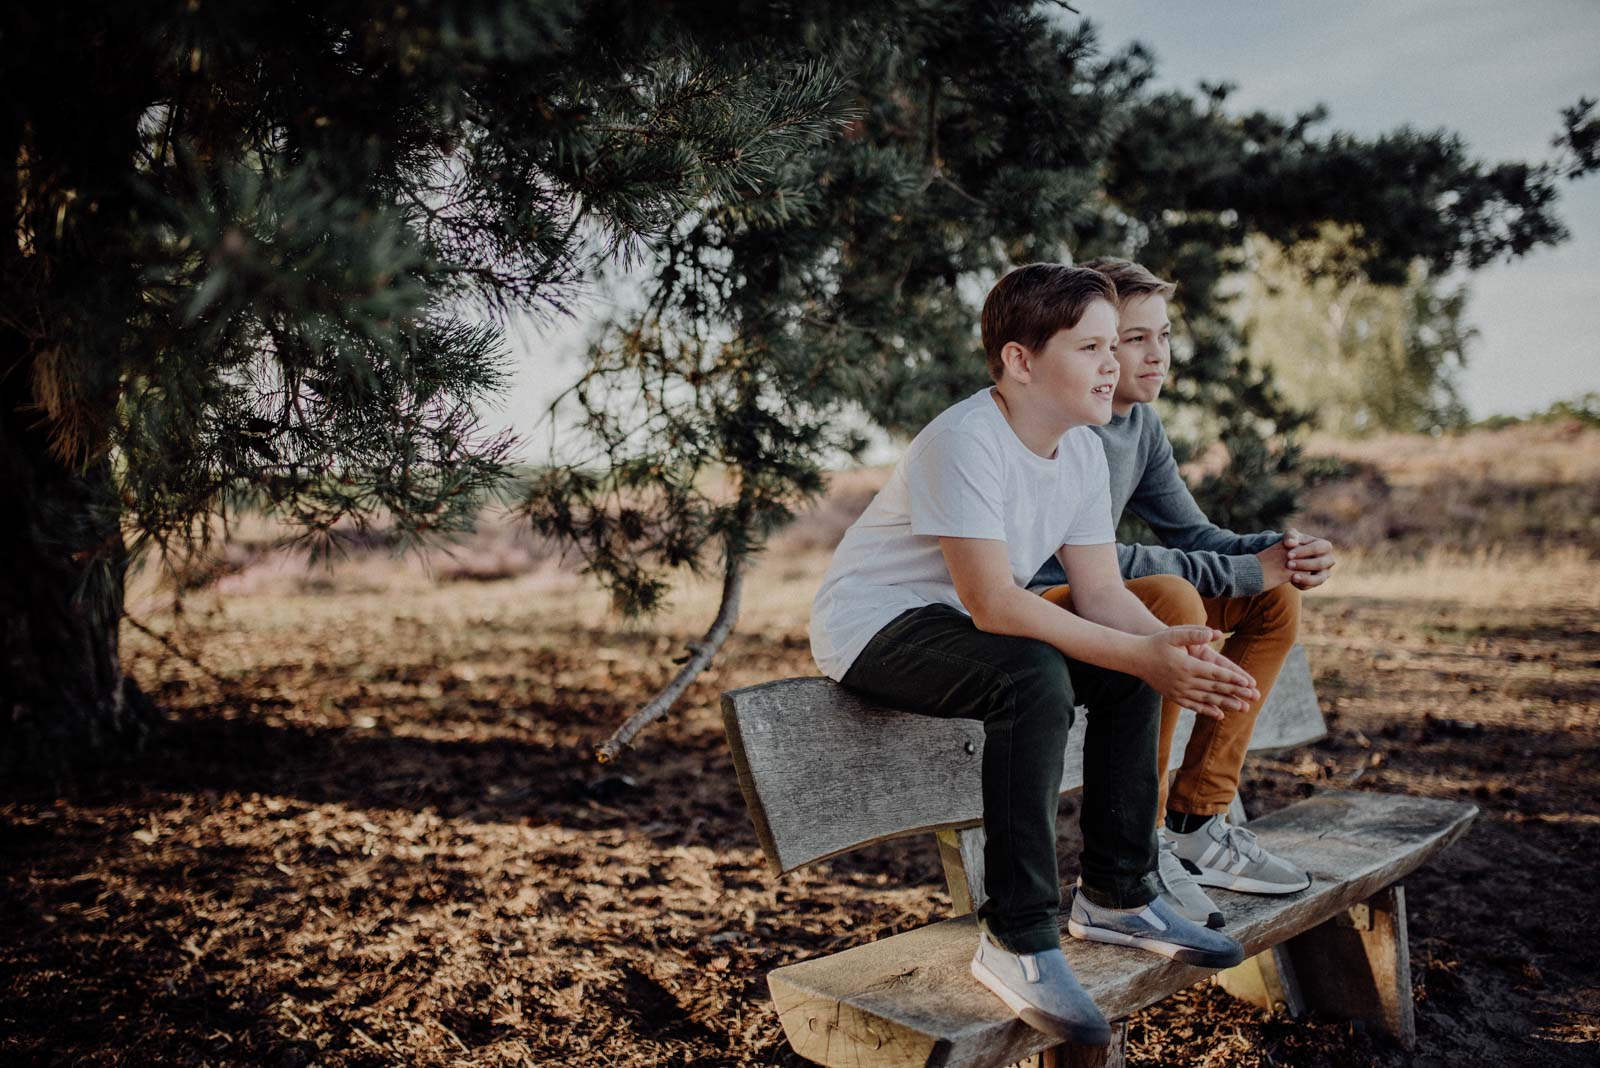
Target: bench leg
1112,1056
1267,981
961,852
1357,966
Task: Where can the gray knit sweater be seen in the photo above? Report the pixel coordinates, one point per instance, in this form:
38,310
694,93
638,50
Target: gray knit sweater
1144,477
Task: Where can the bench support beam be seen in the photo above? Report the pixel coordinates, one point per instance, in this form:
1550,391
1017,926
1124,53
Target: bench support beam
1357,966
1113,1056
1266,980
961,852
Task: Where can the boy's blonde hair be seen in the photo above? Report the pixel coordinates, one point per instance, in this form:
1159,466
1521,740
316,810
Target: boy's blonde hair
1131,279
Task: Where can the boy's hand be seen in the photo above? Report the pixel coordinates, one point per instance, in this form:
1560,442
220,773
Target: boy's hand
1183,667
1310,558
1274,566
1299,558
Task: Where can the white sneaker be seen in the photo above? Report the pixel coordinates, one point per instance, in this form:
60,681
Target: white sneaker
1229,857
1179,889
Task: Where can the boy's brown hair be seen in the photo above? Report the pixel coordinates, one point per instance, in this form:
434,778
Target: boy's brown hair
1131,279
1031,303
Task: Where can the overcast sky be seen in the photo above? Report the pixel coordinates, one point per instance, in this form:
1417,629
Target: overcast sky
1495,72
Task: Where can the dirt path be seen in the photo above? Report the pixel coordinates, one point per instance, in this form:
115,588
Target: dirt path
385,844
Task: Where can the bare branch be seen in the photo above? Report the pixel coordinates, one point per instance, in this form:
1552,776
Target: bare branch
702,653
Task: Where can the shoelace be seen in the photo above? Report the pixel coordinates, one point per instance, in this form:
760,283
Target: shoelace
1241,842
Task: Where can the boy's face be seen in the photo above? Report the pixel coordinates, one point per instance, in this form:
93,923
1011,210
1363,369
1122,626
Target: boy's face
1076,371
1144,350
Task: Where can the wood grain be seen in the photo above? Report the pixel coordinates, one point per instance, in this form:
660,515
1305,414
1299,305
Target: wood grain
823,771
911,1000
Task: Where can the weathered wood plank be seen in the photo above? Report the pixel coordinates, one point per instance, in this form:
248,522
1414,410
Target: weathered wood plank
1357,966
961,853
913,995
824,772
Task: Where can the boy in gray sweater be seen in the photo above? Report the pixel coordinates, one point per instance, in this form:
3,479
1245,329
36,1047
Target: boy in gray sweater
1247,585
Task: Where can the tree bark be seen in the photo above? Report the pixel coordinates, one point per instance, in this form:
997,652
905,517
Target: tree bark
64,701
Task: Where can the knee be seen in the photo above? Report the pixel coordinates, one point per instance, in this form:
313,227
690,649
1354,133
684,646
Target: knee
1171,599
1279,611
1041,685
1039,667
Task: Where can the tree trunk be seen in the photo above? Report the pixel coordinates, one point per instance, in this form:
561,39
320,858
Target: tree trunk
64,701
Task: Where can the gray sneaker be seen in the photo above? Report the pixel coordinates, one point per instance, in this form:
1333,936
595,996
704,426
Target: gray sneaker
1158,928
1041,989
1229,857
1179,889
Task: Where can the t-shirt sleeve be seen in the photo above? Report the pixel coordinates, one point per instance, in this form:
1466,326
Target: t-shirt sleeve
956,488
1092,525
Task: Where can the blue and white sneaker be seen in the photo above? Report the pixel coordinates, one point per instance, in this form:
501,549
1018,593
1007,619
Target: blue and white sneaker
1041,989
1158,928
1230,858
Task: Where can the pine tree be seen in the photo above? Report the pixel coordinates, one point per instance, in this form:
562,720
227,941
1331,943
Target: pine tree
987,136
258,255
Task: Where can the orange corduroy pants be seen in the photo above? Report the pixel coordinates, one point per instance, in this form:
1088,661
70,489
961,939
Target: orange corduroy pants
1261,630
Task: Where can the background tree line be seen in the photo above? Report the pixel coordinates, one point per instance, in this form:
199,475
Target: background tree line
262,256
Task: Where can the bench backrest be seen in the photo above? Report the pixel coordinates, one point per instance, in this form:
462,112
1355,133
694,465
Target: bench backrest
824,772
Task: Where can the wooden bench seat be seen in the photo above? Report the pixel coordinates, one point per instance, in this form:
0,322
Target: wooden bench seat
824,772
910,999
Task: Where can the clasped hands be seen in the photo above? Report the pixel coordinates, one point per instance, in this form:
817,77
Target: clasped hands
1303,560
1183,667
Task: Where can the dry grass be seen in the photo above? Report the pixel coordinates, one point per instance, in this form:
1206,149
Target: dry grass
1552,453
374,834
1566,577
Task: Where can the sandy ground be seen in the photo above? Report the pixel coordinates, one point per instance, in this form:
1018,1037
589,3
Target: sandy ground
371,831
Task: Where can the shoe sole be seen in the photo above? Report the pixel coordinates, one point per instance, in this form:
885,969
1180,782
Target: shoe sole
1181,954
1221,880
1030,1014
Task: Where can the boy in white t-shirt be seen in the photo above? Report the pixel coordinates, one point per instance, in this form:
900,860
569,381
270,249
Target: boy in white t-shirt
925,608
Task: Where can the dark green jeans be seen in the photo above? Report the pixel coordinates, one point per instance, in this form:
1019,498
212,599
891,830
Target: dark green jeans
934,661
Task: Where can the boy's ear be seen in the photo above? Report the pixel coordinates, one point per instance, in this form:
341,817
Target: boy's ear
1017,360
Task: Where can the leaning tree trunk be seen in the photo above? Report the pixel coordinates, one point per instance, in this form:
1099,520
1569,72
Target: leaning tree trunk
63,698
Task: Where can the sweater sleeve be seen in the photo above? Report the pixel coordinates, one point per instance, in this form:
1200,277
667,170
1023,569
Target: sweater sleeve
1218,562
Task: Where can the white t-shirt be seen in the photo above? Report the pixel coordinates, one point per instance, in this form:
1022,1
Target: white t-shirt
966,475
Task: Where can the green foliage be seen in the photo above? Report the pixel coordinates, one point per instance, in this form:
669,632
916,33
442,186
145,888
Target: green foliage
256,245
984,137
1583,409
1358,356
262,251
1579,140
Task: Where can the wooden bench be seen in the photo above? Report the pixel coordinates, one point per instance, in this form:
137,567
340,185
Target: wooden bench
824,772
